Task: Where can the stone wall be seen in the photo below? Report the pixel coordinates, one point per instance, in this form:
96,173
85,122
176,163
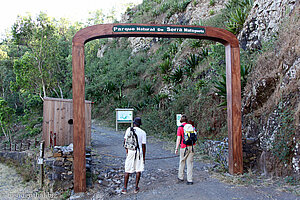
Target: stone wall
218,150
59,167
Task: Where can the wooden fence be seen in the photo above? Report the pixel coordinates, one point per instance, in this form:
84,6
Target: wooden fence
19,145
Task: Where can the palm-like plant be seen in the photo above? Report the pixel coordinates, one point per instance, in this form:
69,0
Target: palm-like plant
221,84
237,14
148,89
191,64
221,90
245,69
236,20
165,66
177,75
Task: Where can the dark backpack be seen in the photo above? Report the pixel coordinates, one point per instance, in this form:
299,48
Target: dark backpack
189,136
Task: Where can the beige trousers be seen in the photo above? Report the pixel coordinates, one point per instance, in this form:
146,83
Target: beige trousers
188,158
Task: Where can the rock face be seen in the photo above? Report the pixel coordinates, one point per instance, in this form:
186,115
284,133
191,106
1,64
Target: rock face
193,15
270,107
140,43
260,93
264,22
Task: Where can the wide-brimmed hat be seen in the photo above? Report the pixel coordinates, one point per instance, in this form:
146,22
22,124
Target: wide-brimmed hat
137,121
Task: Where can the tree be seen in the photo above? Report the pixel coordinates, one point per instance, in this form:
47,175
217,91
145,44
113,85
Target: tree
96,17
39,69
7,116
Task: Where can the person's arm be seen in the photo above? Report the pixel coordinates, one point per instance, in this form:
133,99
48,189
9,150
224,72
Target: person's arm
126,133
177,144
178,140
125,148
144,151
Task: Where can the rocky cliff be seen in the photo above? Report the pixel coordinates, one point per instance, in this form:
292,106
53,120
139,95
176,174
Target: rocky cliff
271,103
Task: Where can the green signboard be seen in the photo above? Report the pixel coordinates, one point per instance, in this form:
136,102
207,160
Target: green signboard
158,29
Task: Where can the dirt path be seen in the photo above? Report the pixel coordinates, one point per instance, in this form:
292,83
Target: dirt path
159,181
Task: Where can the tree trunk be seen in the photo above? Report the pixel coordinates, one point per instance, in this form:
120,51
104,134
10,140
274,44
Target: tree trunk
4,132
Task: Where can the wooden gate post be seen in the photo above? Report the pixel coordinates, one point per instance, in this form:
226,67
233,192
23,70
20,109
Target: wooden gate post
233,86
79,118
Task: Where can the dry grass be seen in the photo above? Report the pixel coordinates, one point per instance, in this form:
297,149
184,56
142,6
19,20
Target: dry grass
13,185
254,180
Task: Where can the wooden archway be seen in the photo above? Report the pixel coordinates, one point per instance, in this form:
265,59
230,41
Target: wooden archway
233,82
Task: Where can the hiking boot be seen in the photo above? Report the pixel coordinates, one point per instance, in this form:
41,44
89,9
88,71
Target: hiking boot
179,180
189,183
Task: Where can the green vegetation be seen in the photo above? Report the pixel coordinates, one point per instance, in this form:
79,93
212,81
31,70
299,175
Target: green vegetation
220,85
6,119
283,144
149,9
236,13
35,63
211,12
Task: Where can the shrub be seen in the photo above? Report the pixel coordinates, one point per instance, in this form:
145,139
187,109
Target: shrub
283,144
236,20
220,86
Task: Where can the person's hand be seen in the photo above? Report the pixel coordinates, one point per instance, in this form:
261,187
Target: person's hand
176,151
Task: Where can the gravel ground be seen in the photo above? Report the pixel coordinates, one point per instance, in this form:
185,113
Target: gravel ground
159,180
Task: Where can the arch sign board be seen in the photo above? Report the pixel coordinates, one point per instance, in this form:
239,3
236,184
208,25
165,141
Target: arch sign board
233,82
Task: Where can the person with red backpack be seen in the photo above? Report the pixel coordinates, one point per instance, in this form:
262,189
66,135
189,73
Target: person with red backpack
186,138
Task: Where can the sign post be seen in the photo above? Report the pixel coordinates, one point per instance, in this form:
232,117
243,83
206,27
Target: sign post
40,162
124,115
178,116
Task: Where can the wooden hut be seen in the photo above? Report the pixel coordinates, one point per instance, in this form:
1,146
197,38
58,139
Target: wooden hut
58,122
